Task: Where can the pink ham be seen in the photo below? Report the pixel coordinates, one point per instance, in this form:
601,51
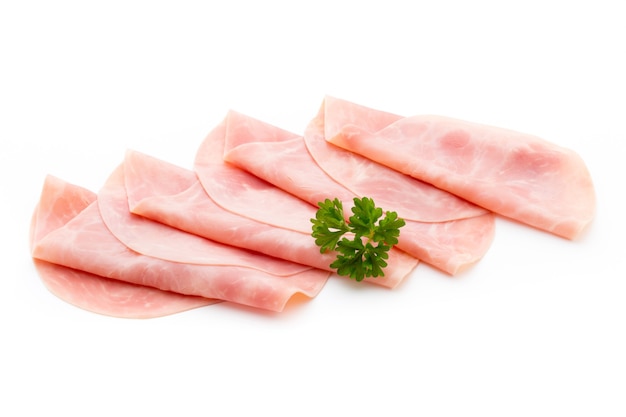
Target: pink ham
59,203
442,229
164,242
173,196
517,175
85,243
240,192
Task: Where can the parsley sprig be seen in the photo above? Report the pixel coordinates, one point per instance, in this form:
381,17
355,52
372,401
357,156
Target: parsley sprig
365,251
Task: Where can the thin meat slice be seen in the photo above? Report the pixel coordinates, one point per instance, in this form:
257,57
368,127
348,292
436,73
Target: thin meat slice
517,175
236,190
112,297
86,244
174,196
442,229
247,195
59,203
159,240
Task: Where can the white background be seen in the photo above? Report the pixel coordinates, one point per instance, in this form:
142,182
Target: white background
537,328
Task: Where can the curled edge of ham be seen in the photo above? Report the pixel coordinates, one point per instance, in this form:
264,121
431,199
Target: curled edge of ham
159,240
516,175
61,201
85,243
441,229
243,193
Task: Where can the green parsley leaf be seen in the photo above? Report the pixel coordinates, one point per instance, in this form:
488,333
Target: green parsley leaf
329,225
365,253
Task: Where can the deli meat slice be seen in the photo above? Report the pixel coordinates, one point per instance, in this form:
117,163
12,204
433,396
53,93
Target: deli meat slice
174,196
517,175
168,243
242,193
86,243
442,229
61,202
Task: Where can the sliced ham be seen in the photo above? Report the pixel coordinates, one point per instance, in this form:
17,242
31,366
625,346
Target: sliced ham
85,243
442,229
168,243
247,195
112,297
61,202
174,196
517,175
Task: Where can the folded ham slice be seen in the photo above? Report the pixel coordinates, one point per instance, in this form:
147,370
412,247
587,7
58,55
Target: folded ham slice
517,175
171,259
174,196
242,193
61,202
442,229
168,243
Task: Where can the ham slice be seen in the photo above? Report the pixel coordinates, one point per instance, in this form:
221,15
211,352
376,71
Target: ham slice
86,243
442,229
517,175
174,196
61,202
164,242
240,192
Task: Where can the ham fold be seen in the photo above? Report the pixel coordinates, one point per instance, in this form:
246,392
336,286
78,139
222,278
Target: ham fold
60,202
517,175
441,229
104,239
240,192
174,196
